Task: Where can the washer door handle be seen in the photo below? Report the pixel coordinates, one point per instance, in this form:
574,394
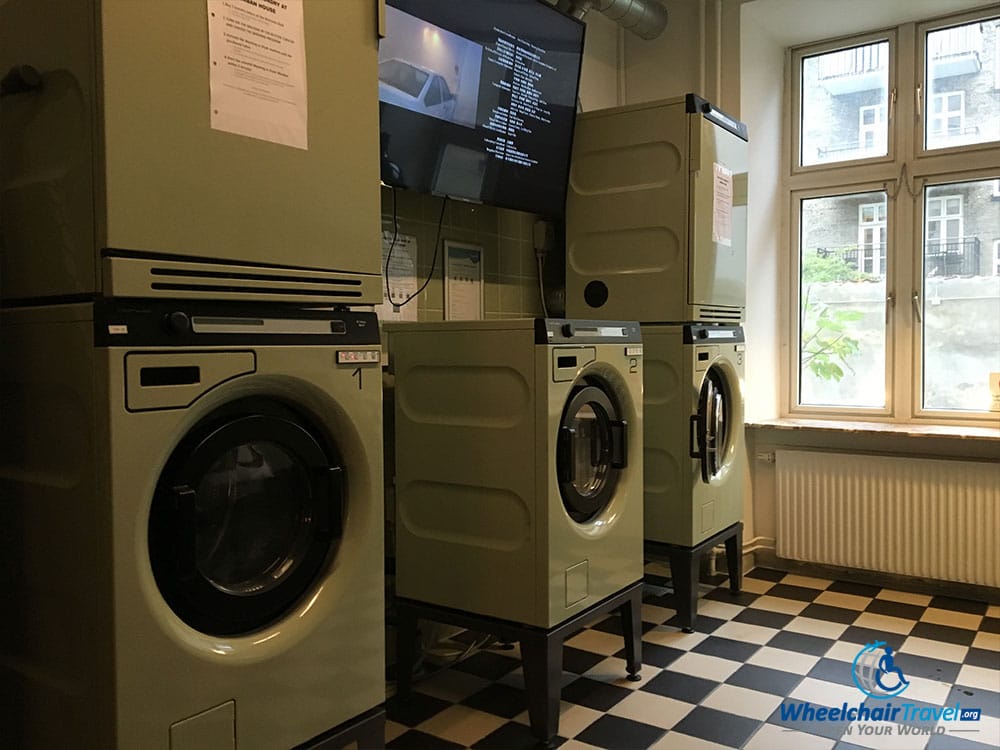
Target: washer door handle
334,522
564,454
619,444
697,434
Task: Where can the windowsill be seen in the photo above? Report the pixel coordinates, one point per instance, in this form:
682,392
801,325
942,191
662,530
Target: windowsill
875,428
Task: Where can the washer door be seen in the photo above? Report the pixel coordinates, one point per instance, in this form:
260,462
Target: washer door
712,426
245,517
591,449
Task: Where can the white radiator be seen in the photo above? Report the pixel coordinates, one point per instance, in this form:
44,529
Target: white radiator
919,517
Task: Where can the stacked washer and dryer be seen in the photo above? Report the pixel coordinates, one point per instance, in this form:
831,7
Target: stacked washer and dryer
191,513
656,232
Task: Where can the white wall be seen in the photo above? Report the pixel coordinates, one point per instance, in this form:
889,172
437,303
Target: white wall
600,77
762,83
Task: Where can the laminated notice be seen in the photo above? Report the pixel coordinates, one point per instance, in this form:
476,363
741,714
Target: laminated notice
722,206
257,70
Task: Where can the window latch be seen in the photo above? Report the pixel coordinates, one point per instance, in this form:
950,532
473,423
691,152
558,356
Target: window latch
919,102
890,304
916,307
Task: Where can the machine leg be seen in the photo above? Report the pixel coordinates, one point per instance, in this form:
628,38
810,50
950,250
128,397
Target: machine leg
541,656
734,559
684,571
631,616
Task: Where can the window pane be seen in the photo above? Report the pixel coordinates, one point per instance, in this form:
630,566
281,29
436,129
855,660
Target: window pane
961,295
962,75
844,95
842,301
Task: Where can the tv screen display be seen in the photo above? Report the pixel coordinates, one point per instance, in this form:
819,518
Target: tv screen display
478,100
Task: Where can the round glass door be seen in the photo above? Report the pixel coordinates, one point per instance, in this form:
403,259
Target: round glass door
712,424
245,517
590,451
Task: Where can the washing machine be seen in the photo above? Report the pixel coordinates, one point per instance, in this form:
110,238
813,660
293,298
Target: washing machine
192,525
656,214
518,464
189,149
694,449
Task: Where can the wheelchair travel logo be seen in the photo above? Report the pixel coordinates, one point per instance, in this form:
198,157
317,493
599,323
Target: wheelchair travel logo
875,672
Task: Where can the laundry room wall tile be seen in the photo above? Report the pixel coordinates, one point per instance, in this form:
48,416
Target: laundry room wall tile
511,299
526,253
505,236
488,223
531,304
510,264
509,222
462,216
491,296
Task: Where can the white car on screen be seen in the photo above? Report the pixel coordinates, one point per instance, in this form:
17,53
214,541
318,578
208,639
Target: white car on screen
415,88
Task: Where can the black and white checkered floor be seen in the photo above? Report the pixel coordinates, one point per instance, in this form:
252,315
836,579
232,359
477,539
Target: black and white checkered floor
784,639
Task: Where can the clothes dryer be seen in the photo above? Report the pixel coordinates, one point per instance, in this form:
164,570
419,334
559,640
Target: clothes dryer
518,465
656,214
694,446
190,149
192,533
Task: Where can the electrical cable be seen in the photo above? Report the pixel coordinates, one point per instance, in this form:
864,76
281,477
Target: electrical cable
437,242
541,285
388,255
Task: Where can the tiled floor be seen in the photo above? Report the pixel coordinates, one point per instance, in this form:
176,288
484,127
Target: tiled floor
786,639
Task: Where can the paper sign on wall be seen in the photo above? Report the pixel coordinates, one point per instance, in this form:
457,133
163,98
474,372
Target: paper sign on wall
402,278
463,282
257,70
722,206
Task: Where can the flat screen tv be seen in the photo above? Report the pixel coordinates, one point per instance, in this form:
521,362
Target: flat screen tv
477,100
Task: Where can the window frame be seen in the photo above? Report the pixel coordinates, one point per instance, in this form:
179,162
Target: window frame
798,55
795,408
922,29
903,174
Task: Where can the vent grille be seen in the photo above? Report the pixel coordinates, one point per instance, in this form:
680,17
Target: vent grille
719,314
138,277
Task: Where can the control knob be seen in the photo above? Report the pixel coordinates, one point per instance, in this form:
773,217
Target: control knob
177,323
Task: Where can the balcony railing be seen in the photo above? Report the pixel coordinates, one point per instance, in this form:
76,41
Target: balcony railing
854,61
865,258
955,51
958,257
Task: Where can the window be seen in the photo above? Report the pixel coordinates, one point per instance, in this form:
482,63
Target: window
872,130
895,229
947,119
871,238
833,81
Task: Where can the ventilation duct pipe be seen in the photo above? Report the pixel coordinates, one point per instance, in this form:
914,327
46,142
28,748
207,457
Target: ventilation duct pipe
645,18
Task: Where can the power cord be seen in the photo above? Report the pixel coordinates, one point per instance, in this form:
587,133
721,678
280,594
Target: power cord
541,241
388,256
437,242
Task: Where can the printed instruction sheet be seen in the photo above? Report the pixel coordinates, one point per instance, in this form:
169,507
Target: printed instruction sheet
400,277
257,70
463,281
